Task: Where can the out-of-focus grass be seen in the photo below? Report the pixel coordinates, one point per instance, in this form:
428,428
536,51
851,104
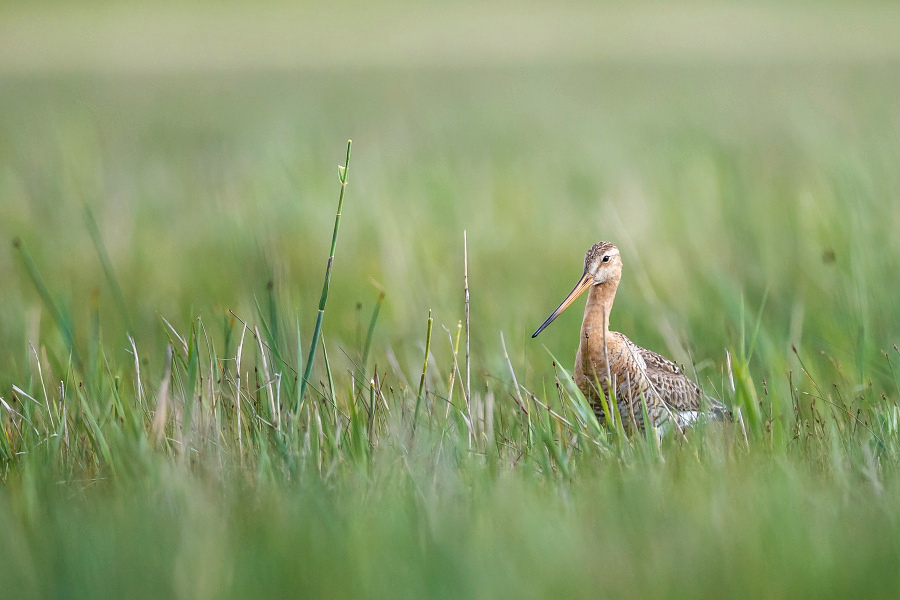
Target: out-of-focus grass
718,185
757,527
739,178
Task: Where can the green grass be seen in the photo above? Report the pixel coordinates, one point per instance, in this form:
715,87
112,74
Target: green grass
171,225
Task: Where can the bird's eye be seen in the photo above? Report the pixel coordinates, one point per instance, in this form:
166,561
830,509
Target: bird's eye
606,258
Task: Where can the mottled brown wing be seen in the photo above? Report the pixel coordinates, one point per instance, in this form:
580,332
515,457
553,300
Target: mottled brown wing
678,391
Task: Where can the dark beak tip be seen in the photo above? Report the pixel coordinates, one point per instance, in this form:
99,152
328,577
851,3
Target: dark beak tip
580,287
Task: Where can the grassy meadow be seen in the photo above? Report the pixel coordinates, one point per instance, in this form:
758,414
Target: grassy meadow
169,177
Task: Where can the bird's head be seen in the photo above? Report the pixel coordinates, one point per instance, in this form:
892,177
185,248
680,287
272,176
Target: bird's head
602,265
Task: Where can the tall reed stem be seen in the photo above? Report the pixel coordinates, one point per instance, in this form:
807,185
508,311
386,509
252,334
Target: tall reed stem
313,344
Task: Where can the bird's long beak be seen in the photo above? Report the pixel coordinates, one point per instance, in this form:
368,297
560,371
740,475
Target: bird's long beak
586,281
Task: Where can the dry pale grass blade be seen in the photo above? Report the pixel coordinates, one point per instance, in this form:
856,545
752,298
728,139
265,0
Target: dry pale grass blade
158,428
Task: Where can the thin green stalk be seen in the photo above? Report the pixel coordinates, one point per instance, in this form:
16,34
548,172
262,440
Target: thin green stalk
190,390
424,368
455,368
310,359
372,321
331,389
297,381
270,329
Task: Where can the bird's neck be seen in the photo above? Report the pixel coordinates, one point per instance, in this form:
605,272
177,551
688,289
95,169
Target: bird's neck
595,326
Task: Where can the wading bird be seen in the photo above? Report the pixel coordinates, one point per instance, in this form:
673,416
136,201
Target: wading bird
638,375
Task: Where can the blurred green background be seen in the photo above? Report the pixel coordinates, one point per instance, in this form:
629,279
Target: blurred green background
727,148
743,156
